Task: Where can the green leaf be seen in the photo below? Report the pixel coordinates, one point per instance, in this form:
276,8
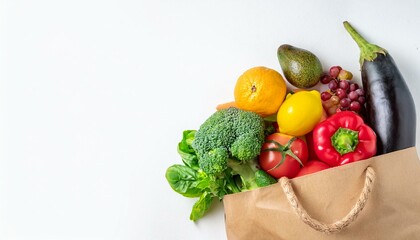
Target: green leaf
186,151
184,180
189,159
204,182
187,139
201,206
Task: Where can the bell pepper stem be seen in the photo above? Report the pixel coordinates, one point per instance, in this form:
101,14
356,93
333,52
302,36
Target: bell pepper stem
345,140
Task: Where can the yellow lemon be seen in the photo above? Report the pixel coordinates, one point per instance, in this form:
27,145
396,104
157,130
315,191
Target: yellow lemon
299,113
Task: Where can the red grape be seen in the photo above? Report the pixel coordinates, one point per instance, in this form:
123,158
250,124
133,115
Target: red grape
333,85
326,79
360,92
341,93
354,86
344,84
334,71
353,95
325,96
355,106
345,102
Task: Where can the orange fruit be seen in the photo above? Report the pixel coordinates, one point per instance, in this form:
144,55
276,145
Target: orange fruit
261,90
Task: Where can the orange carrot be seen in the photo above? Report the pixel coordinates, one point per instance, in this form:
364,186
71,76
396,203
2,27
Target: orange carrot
226,105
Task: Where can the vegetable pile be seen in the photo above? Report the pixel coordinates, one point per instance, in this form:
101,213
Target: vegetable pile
271,130
220,158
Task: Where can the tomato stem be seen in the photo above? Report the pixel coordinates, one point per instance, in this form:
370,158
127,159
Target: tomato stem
284,151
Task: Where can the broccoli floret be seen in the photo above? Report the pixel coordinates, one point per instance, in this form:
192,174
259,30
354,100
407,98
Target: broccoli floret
246,147
240,133
214,161
263,179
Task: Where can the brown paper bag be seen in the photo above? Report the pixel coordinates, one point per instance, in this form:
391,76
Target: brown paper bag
378,198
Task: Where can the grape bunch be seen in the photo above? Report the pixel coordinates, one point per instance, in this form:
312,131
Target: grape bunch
343,94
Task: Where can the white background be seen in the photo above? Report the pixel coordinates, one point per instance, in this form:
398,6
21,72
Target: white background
94,96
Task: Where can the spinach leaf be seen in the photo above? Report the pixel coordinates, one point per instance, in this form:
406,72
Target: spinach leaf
187,139
201,206
186,151
184,180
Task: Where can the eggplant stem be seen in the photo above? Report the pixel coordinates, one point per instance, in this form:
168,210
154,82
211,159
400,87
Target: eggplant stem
368,51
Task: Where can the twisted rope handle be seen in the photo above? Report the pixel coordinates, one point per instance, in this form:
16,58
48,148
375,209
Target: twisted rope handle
340,224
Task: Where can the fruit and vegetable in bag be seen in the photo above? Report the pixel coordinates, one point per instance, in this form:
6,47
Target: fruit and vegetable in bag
250,142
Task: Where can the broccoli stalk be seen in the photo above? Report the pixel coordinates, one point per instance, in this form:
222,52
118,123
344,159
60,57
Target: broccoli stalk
251,176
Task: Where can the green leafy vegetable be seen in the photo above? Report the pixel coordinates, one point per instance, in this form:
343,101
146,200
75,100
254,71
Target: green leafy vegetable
201,206
186,151
184,180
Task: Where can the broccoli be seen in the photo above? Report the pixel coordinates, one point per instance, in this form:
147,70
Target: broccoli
228,133
220,159
230,140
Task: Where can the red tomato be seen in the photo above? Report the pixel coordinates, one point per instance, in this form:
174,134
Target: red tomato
311,167
269,159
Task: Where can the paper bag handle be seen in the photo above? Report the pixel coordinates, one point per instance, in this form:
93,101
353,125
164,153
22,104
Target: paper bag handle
340,224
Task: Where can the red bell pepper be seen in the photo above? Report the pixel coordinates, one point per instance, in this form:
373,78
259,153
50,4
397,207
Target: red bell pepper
344,138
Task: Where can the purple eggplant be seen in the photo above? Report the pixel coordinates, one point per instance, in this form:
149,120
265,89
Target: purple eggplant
390,108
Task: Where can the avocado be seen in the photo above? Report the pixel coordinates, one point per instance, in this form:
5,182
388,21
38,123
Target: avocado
301,68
